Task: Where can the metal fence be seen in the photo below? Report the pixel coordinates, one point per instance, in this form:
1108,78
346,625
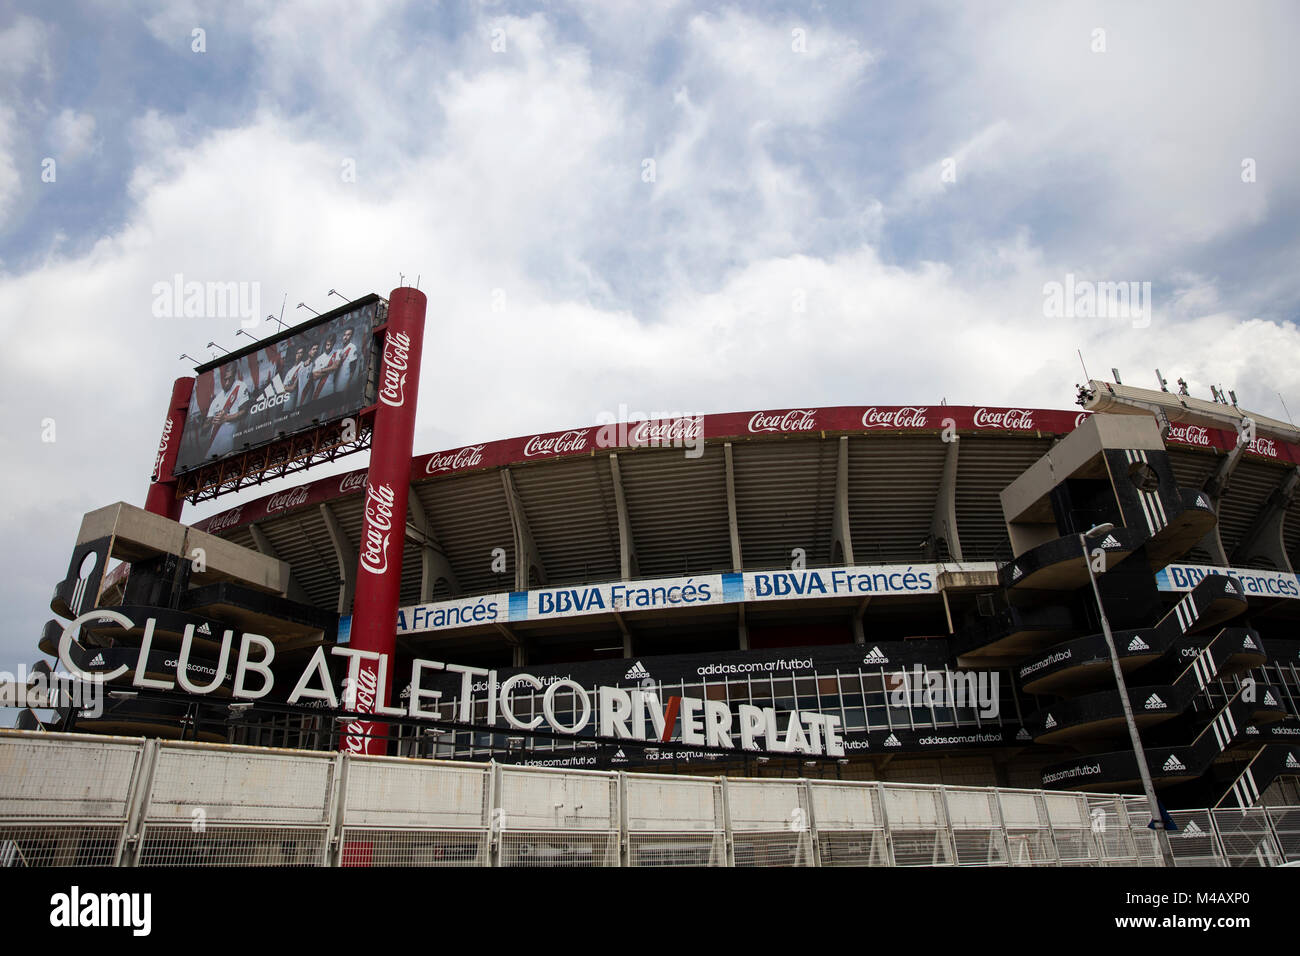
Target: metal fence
78,800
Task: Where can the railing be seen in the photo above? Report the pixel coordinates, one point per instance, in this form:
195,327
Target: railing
84,800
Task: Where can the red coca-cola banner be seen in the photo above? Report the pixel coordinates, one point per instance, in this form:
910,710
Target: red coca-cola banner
688,431
386,484
161,498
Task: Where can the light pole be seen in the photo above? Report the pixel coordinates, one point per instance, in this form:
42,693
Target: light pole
1144,771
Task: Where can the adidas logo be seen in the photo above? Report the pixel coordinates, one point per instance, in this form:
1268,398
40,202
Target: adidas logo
1023,735
892,741
636,672
619,755
1269,699
1155,703
1291,762
1050,722
1137,644
272,396
97,660
1252,729
203,628
1249,643
1110,541
1173,763
1201,502
1017,574
1230,587
1192,830
875,657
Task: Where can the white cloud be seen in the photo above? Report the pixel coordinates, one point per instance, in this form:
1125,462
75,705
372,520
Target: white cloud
72,133
521,171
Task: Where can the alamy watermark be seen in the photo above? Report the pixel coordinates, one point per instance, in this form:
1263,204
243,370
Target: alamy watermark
51,690
208,300
627,429
1084,299
921,687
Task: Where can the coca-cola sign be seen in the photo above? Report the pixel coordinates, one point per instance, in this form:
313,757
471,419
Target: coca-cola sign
360,701
287,499
1080,418
353,482
1189,434
567,443
1263,446
397,356
1011,419
908,416
162,450
467,457
666,432
227,519
377,528
795,420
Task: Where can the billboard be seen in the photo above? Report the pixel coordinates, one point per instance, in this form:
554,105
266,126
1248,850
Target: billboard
312,374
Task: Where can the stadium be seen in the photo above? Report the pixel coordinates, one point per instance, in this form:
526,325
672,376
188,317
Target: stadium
902,594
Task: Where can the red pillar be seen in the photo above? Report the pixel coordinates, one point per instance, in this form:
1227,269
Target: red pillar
162,499
383,529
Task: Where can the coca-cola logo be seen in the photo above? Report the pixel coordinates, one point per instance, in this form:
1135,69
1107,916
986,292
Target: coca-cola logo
795,420
1189,434
466,457
908,416
1080,418
353,482
655,432
287,499
377,528
227,519
397,356
162,449
570,441
1012,419
363,700
1264,446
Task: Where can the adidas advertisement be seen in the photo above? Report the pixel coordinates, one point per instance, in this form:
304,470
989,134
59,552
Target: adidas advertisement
655,705
314,374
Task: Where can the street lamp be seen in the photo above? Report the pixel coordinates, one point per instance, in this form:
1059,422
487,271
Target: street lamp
1158,823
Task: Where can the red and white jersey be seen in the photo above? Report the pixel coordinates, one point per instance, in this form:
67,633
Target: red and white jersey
228,402
347,357
326,384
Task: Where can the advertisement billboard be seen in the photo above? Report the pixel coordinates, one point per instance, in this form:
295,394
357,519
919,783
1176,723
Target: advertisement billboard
310,375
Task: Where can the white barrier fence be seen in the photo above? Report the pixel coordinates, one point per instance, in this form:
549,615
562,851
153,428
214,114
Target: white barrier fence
79,800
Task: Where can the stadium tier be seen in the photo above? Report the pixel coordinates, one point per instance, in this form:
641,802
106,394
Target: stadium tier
891,593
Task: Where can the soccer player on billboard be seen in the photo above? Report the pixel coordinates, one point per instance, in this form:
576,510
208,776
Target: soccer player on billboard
323,370
297,376
229,404
348,356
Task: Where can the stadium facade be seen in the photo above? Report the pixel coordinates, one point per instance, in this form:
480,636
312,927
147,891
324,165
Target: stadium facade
896,593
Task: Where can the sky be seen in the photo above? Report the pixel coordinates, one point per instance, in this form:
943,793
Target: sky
651,206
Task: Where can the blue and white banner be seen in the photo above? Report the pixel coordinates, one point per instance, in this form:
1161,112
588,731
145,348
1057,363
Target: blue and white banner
1184,577
665,593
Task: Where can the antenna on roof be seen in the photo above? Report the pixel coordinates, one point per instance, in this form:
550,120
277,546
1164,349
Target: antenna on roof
1285,409
417,282
1164,382
1115,372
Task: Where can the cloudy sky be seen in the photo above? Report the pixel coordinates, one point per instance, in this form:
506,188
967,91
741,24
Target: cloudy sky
662,206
